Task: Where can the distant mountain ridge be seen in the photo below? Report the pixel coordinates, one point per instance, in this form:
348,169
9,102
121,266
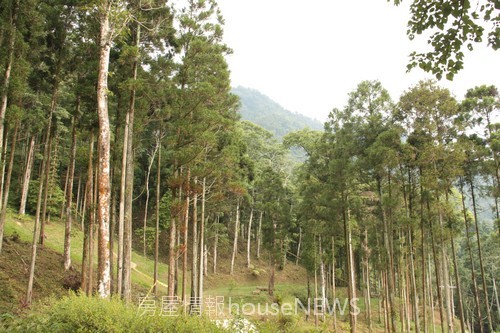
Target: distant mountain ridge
263,111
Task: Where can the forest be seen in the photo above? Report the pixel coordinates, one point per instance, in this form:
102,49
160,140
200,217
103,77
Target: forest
123,151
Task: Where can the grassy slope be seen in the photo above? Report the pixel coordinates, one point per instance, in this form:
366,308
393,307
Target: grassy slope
241,287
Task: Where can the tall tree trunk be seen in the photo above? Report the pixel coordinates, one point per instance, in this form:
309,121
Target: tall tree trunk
322,277
146,205
422,257
249,233
471,259
36,228
202,241
216,243
259,234
334,289
367,282
389,255
431,296
121,209
413,278
27,176
172,253
235,238
3,157
69,198
86,256
63,206
297,256
6,191
350,268
46,184
103,204
194,247
437,271
129,184
185,229
457,283
8,68
480,252
157,225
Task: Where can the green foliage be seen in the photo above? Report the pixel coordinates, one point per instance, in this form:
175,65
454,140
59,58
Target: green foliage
454,26
78,313
54,202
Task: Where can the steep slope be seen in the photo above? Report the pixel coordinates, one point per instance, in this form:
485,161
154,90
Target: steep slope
263,111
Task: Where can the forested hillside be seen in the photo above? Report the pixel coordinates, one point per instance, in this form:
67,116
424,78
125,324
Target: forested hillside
122,148
263,111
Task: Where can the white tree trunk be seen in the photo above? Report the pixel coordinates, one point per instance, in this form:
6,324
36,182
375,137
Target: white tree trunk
259,234
27,176
249,233
235,240
69,199
103,204
203,256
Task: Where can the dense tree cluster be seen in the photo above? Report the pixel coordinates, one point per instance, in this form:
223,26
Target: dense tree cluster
389,196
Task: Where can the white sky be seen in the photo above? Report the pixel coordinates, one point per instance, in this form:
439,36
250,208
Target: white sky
308,55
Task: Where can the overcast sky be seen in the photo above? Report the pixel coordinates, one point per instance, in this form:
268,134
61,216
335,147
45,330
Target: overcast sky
307,55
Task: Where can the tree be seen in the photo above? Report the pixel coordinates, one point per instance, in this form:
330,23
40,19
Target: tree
454,25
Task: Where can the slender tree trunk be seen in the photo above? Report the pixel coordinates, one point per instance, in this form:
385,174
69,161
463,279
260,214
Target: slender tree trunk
27,176
194,248
69,199
387,326
46,184
437,272
157,226
77,207
413,283
3,157
471,259
259,234
235,238
249,238
367,282
350,268
322,277
334,289
480,252
202,241
63,206
144,224
431,296
216,243
6,191
36,227
121,212
389,255
129,186
172,253
103,204
297,256
459,288
496,296
422,257
87,244
185,236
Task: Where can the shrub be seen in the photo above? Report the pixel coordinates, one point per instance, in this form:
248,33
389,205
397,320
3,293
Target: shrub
77,313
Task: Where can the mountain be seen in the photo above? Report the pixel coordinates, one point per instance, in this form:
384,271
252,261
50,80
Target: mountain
263,111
